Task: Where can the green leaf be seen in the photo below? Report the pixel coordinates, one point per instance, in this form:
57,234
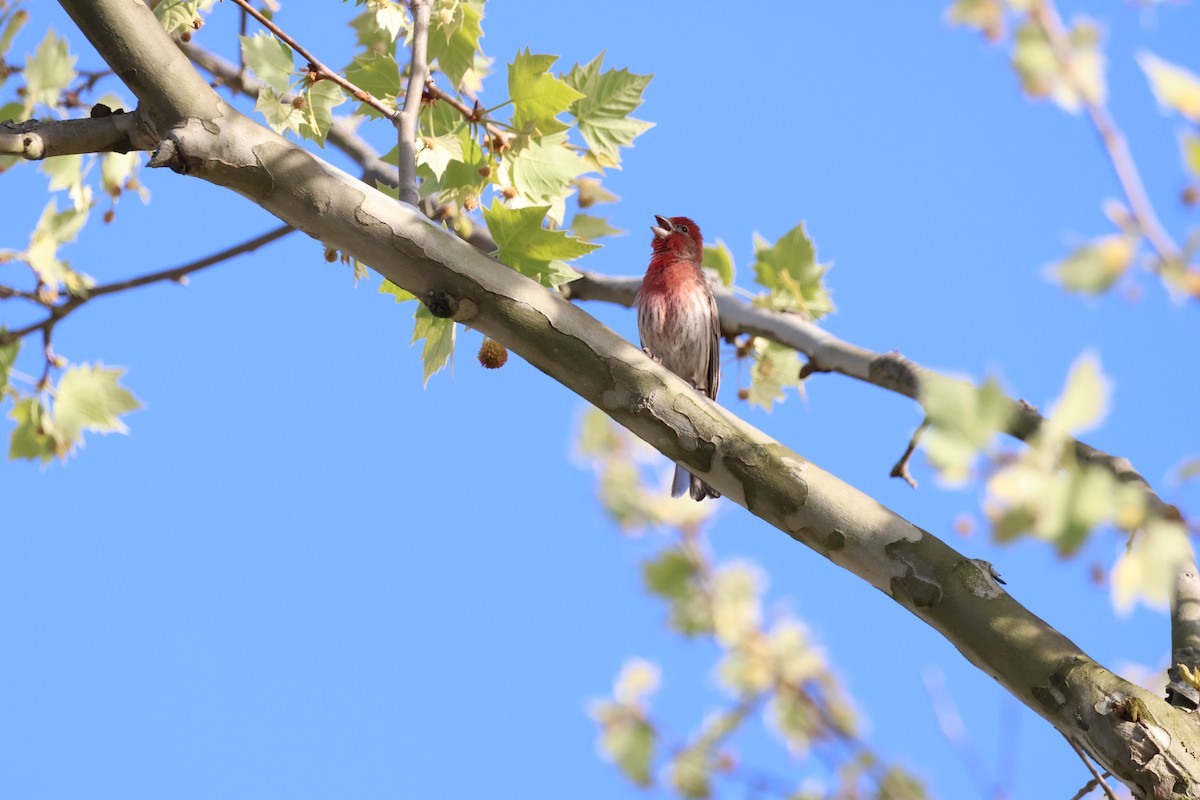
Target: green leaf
1042,75
66,172
602,112
690,773
32,438
13,20
736,602
54,229
320,100
376,30
118,172
591,192
537,96
670,575
269,59
635,683
629,743
985,16
1097,265
523,244
775,368
279,115
720,259
378,74
1146,571
1189,142
589,228
795,719
48,71
438,333
454,33
387,287
437,152
1175,87
8,357
963,420
89,398
542,172
789,270
1084,399
177,16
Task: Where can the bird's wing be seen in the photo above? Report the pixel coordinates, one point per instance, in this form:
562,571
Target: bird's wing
714,350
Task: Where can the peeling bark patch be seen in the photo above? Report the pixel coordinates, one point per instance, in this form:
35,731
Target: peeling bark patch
979,578
923,593
894,371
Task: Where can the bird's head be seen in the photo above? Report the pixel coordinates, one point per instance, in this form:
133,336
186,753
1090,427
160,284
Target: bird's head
679,237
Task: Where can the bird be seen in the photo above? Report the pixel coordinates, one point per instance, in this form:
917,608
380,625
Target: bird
678,323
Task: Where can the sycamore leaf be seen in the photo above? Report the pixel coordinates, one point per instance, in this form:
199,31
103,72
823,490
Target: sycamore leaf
177,16
377,74
602,112
454,33
269,59
591,193
537,96
8,356
320,100
280,116
589,228
48,71
637,680
437,152
54,229
1175,87
371,36
1084,399
1097,265
789,270
400,295
1146,571
542,173
523,244
775,368
13,20
89,398
718,257
1042,75
963,420
32,439
66,172
438,351
737,602
690,773
985,16
627,740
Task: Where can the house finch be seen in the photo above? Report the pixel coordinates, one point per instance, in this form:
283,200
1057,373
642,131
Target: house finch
677,320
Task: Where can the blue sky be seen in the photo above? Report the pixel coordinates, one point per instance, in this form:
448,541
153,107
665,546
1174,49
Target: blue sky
302,575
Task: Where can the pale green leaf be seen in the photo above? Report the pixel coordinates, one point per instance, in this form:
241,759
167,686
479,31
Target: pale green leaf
963,420
629,742
1042,74
53,230
543,171
589,228
177,16
1097,265
794,719
602,113
454,33
736,598
775,368
48,71
637,680
985,16
690,773
1190,144
438,351
279,115
8,357
387,287
33,437
89,398
718,257
1084,399
1175,87
437,152
14,19
118,172
1146,571
379,75
537,96
790,271
523,244
320,100
373,33
591,193
269,59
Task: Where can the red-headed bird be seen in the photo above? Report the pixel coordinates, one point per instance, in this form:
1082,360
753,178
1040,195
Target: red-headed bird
677,320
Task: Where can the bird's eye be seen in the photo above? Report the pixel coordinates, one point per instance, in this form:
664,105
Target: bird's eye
683,228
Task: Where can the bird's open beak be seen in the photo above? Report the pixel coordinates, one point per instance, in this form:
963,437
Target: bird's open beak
664,227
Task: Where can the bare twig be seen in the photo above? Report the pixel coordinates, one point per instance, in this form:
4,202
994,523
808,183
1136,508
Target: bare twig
315,65
418,71
58,312
499,138
900,470
1045,14
1097,778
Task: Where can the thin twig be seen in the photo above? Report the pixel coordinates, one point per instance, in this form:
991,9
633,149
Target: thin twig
58,312
900,470
316,66
499,138
418,71
1045,14
1096,776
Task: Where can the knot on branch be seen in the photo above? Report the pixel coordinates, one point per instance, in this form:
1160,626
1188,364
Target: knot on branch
167,154
444,305
895,372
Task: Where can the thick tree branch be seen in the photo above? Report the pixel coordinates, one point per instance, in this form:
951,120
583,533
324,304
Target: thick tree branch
828,353
418,71
111,133
1148,744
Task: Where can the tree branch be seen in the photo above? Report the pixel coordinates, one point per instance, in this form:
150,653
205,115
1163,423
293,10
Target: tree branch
34,139
317,66
828,353
418,71
1137,736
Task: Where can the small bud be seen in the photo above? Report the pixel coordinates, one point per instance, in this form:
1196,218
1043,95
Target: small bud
743,394
1190,196
331,255
471,203
486,172
108,216
492,354
185,37
298,103
508,192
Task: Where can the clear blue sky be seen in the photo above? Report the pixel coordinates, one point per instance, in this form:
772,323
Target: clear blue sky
303,576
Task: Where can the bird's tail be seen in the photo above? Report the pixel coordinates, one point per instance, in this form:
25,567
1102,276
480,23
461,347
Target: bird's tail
687,482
